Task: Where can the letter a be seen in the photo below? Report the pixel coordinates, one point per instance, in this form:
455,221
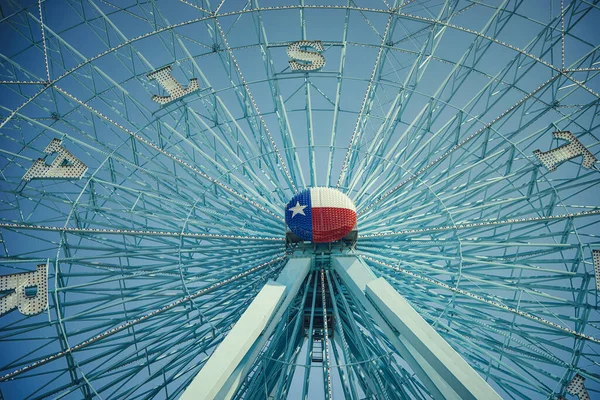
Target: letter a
312,60
552,158
167,81
27,304
65,166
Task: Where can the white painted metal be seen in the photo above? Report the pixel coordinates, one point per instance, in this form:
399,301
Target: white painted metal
440,367
230,362
331,198
428,343
291,276
232,349
356,276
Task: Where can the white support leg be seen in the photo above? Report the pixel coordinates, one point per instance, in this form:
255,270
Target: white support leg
445,373
227,366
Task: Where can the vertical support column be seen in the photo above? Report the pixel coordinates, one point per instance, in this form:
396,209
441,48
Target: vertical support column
326,361
232,349
443,371
227,366
446,362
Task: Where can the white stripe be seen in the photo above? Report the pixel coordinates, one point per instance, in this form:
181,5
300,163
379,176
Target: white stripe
329,197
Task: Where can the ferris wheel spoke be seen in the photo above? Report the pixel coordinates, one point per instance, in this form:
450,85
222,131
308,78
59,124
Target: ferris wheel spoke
10,71
224,135
144,202
218,113
554,326
437,207
126,358
514,48
152,202
512,369
249,165
173,268
174,158
487,224
285,128
176,181
104,252
435,106
338,98
98,148
493,278
137,53
412,79
147,191
503,251
454,211
487,341
229,132
142,233
23,105
142,318
103,352
478,181
220,168
136,292
481,182
366,105
497,146
209,332
358,323
251,104
167,334
461,143
482,335
238,221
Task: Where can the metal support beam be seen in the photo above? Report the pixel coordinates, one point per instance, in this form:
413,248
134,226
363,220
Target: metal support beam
443,371
227,366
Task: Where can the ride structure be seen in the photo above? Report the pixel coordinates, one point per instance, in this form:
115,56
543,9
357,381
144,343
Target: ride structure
157,158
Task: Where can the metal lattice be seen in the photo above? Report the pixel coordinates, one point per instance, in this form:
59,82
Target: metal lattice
148,149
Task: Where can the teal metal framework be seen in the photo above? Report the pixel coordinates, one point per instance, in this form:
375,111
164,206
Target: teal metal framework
172,133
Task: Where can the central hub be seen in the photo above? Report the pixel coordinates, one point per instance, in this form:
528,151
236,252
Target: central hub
320,215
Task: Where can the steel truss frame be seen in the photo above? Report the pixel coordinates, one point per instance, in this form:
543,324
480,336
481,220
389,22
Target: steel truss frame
178,224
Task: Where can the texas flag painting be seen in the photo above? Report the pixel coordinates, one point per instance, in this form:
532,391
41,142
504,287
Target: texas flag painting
320,215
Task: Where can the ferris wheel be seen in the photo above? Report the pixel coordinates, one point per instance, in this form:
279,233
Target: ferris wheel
299,199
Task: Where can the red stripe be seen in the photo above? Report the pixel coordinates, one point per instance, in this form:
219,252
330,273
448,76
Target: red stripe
330,223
